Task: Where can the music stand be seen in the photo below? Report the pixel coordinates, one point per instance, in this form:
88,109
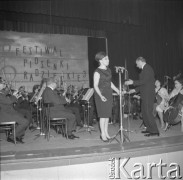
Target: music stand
86,108
121,130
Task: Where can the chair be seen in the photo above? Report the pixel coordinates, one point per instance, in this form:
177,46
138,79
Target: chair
9,127
57,123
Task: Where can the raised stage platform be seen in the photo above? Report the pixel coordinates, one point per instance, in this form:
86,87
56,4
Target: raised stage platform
89,157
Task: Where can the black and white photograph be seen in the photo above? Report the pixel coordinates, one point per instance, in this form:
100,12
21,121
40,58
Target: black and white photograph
91,89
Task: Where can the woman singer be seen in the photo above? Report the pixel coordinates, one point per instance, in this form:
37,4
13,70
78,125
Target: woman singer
103,93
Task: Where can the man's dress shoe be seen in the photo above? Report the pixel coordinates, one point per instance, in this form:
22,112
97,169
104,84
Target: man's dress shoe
18,139
145,131
151,134
32,128
10,140
70,137
74,136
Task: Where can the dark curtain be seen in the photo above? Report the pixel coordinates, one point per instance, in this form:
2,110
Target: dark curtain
94,46
153,28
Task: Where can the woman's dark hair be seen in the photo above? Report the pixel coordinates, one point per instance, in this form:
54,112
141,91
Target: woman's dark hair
100,55
21,87
36,86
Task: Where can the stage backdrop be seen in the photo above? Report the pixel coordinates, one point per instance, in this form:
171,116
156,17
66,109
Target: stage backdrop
26,58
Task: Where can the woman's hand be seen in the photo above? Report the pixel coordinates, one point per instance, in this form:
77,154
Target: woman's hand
103,99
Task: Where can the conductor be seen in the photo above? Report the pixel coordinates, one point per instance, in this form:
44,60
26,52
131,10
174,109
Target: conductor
146,86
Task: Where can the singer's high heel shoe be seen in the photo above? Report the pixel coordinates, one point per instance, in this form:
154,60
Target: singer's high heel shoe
109,138
167,126
104,140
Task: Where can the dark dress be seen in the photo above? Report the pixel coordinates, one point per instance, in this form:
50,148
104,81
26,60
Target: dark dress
104,109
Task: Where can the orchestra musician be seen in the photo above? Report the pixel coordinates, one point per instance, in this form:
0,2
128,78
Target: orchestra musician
34,93
22,105
34,106
175,104
161,101
8,114
71,104
57,109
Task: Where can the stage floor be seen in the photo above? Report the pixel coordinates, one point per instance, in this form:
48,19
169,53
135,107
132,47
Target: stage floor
88,152
59,151
86,139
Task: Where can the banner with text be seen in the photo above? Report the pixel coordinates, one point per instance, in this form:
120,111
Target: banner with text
27,58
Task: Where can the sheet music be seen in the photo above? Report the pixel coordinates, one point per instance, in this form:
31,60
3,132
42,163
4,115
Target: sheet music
88,94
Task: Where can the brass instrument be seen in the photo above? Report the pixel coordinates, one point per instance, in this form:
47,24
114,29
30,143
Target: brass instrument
20,94
17,94
40,93
34,97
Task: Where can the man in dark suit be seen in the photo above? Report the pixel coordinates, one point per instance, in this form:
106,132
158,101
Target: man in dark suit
146,86
58,109
8,114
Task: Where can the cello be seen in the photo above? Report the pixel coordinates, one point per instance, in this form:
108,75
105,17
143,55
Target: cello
172,114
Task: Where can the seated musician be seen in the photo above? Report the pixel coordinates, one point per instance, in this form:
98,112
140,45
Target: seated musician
57,109
34,92
34,107
161,101
72,104
8,114
176,99
33,95
22,105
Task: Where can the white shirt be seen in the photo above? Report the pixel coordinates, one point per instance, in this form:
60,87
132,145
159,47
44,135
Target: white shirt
143,65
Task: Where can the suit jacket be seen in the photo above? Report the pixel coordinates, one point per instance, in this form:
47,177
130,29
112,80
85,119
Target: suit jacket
51,96
7,112
6,103
146,82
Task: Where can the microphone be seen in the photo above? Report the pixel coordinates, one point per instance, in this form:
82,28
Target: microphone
167,77
118,68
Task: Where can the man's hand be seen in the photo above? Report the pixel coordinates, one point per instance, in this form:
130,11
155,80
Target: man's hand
129,82
68,100
131,91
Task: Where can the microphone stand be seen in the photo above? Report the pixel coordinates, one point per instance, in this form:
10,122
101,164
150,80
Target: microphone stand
129,105
39,108
120,132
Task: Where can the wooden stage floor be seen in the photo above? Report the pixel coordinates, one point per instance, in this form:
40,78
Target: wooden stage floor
88,145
